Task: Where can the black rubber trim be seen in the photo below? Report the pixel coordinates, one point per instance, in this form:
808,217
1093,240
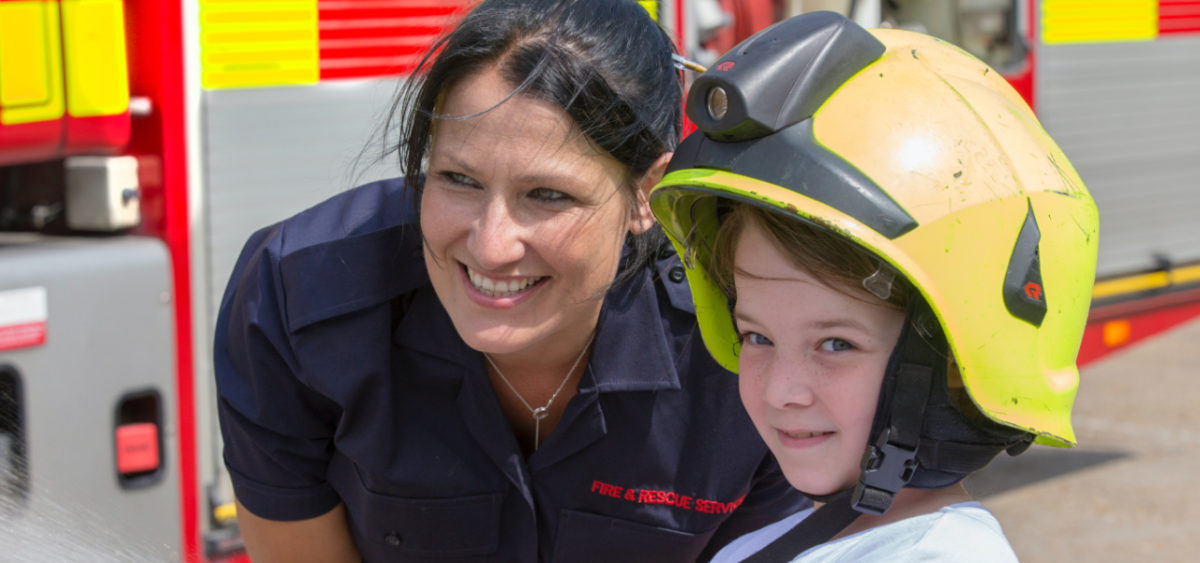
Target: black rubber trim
793,159
14,462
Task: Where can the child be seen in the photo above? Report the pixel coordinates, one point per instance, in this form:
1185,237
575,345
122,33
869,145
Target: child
885,244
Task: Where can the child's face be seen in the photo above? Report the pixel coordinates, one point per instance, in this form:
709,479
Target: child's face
811,365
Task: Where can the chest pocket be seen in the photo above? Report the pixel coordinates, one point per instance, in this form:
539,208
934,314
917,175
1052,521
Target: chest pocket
583,537
401,529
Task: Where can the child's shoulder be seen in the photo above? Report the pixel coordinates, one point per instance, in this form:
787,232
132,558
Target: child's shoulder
959,532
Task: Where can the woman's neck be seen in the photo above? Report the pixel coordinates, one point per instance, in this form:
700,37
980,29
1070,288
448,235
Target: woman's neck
534,394
550,358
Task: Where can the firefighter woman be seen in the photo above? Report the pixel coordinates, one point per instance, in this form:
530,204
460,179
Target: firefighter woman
885,243
495,358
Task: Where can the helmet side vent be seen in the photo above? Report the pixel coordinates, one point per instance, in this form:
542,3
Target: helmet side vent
1024,295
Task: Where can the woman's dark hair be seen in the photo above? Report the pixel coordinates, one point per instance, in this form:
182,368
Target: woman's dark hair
605,62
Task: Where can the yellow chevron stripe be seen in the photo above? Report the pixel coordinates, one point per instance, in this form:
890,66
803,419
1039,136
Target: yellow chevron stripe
247,43
1145,282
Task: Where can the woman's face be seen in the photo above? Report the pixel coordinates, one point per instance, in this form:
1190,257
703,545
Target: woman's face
524,221
811,364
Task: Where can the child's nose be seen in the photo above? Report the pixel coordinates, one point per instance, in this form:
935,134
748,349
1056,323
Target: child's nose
788,385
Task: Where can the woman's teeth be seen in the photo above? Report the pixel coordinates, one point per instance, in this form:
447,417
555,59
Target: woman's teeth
502,288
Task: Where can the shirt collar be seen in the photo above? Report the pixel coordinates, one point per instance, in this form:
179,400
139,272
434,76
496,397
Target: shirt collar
349,274
631,351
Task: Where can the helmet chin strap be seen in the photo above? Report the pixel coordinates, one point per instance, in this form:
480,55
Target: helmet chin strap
819,527
890,460
921,437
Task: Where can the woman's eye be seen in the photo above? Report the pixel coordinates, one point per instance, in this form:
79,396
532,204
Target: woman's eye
460,179
547,194
836,345
755,339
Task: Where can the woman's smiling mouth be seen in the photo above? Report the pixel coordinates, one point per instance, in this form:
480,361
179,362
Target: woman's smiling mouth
501,288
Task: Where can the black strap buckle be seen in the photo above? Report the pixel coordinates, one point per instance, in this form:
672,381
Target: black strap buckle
887,467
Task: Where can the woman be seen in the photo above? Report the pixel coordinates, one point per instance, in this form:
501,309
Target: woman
492,360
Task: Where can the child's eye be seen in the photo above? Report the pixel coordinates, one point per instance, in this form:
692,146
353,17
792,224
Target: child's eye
836,345
547,194
755,339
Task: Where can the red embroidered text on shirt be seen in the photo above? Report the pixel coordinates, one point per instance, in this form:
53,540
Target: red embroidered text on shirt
653,496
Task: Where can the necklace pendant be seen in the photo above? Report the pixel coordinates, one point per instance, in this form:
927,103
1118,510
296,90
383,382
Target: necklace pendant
540,413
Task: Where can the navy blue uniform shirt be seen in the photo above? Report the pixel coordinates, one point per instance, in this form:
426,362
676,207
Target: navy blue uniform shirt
341,378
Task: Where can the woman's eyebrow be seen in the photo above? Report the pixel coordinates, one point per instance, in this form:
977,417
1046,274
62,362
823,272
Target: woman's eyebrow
453,159
549,179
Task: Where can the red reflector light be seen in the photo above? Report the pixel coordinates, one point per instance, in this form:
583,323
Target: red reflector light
137,448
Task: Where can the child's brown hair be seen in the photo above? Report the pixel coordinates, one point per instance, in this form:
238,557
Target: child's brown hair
838,263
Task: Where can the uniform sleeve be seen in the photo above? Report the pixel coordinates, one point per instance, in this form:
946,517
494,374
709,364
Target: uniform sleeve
277,431
771,498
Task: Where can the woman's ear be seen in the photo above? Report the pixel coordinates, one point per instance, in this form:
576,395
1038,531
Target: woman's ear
641,218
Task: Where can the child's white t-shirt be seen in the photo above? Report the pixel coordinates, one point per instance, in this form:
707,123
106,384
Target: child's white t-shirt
960,532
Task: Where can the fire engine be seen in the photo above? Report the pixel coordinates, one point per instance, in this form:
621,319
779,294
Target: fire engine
142,141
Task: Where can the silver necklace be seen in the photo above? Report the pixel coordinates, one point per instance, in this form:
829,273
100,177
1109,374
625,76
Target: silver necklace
543,411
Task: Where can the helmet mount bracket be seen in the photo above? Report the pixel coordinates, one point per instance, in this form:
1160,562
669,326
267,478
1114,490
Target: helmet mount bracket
779,76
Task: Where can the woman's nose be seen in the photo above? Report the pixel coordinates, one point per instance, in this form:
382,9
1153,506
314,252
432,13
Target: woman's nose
497,237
